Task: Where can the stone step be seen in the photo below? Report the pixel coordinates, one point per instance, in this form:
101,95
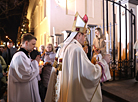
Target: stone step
113,96
122,90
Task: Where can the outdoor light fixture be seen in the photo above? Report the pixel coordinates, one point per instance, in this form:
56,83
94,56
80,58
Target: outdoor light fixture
23,25
8,38
22,29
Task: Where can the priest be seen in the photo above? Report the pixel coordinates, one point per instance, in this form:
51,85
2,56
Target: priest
23,72
78,79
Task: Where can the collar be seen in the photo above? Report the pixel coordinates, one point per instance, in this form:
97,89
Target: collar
26,52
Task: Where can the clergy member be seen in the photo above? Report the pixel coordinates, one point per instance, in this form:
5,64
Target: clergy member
23,72
78,79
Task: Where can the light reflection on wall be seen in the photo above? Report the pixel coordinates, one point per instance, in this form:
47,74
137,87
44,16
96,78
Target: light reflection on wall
61,3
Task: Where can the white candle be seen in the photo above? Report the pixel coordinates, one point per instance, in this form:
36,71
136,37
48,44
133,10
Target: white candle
53,30
55,38
107,49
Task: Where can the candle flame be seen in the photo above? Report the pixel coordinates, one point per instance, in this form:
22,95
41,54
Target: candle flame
41,63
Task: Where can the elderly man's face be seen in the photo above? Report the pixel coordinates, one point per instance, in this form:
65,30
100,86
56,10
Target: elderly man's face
9,45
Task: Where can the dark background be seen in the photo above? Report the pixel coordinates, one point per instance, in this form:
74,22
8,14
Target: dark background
11,12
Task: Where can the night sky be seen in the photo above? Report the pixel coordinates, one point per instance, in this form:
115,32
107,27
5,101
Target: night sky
10,18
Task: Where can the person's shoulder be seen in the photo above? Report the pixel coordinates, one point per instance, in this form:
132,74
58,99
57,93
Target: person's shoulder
94,39
4,52
5,49
1,57
75,47
19,53
54,54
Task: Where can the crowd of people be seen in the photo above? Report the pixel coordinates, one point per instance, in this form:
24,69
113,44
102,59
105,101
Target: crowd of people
6,55
66,74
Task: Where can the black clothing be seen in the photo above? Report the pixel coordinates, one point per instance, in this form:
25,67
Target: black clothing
7,54
26,52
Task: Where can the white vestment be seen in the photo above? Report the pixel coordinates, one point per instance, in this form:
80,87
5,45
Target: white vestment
22,79
79,78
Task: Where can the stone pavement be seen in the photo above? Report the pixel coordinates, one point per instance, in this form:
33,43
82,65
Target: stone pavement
122,90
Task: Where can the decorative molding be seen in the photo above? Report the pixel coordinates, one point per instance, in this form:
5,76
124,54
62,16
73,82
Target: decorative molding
82,6
70,7
90,8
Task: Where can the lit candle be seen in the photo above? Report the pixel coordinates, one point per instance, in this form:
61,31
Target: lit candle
41,63
107,49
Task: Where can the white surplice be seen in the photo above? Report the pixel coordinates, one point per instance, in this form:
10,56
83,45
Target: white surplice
79,78
22,79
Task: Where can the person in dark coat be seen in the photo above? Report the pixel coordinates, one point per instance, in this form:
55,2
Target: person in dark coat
8,52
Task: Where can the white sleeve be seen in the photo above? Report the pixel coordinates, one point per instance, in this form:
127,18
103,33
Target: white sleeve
25,71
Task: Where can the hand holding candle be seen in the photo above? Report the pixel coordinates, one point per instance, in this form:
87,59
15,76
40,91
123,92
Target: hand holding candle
41,63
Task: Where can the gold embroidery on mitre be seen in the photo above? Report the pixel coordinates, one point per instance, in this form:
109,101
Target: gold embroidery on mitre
79,24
